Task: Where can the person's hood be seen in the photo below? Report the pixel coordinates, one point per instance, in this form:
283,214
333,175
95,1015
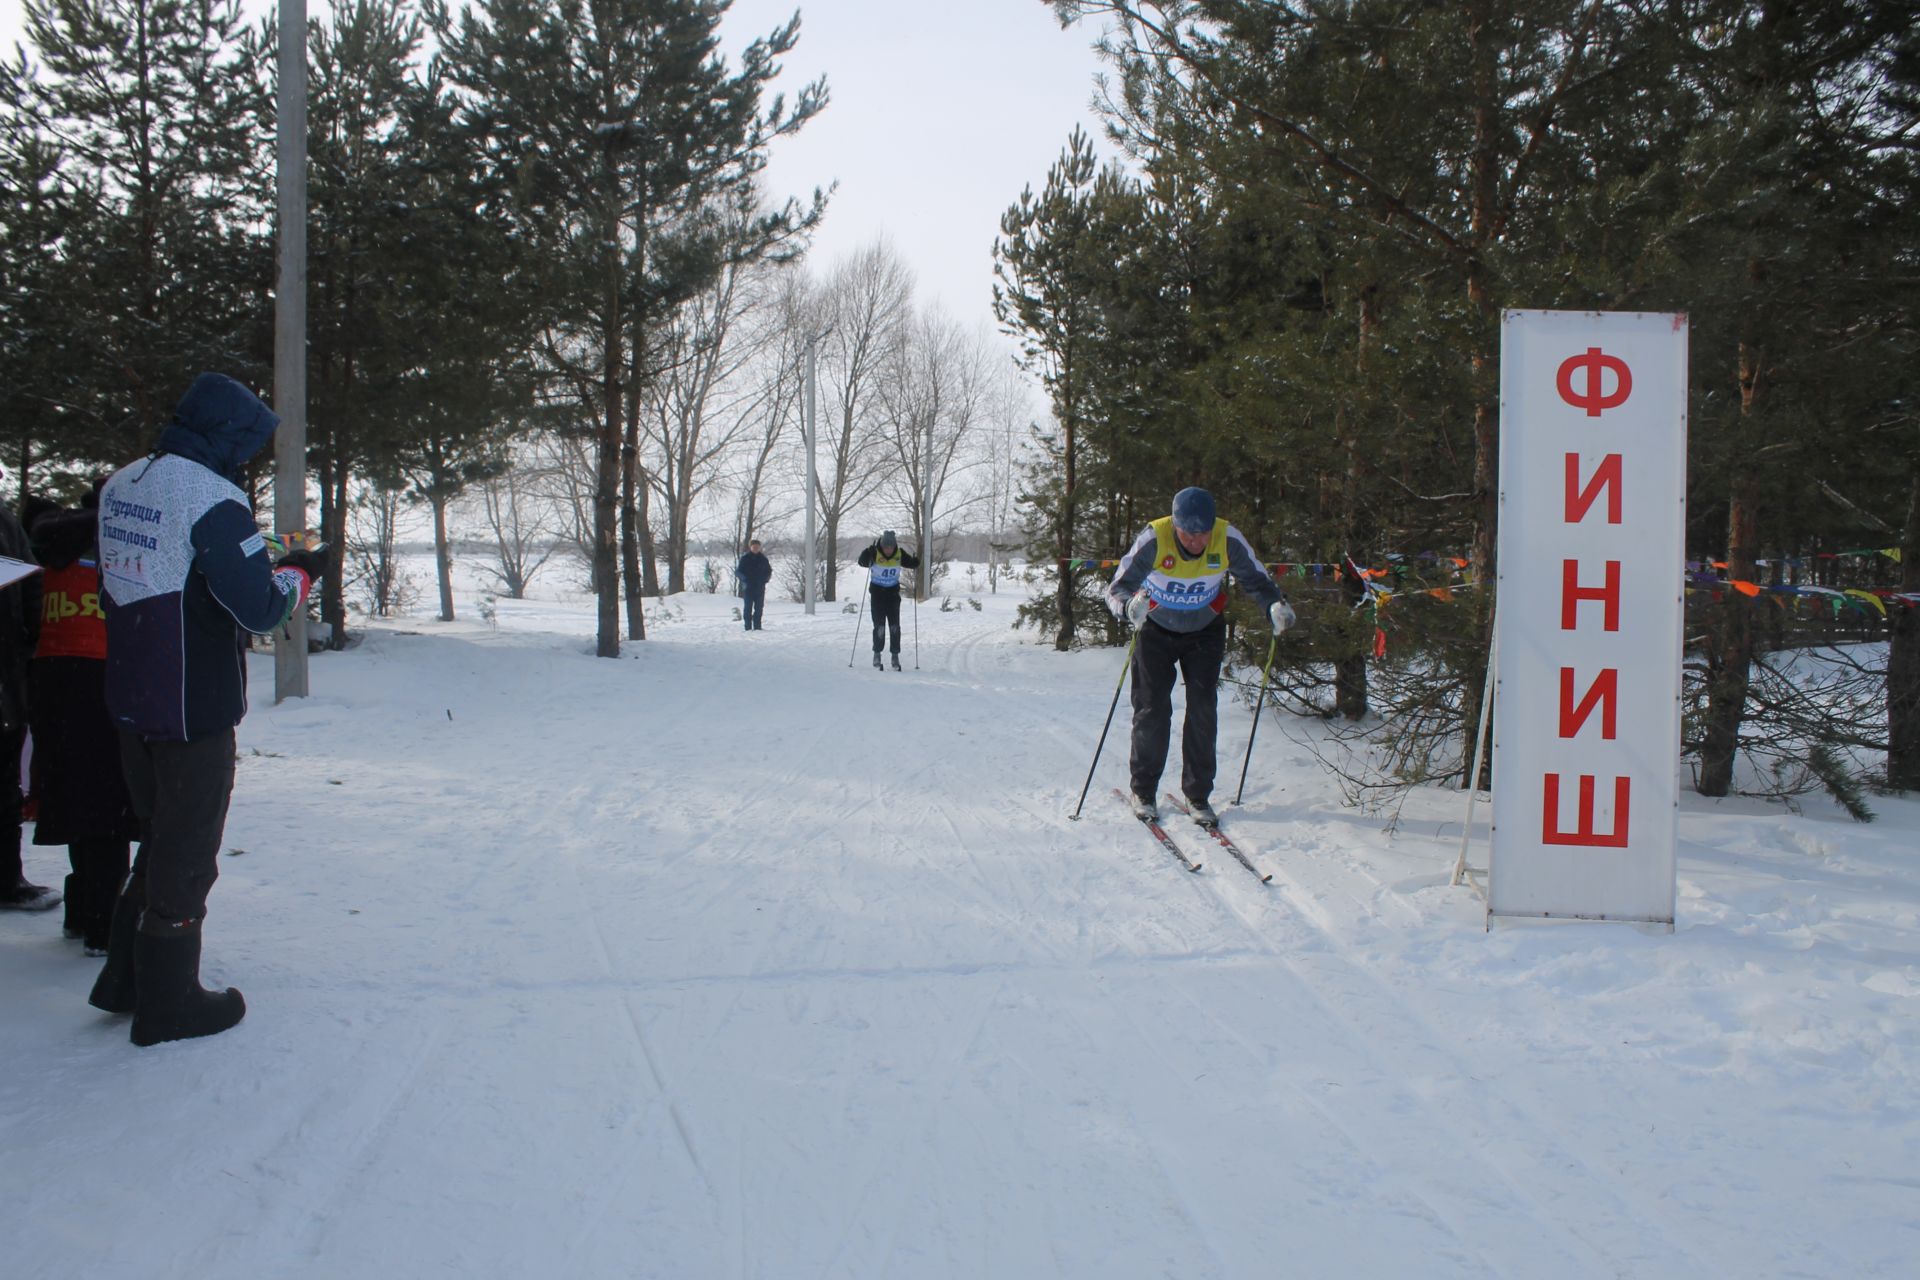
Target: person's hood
219,424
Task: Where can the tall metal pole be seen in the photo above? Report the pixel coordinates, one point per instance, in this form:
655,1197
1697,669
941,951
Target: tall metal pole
812,434
924,574
290,329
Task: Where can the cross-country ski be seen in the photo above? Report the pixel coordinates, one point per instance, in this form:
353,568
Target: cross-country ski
1221,838
1159,833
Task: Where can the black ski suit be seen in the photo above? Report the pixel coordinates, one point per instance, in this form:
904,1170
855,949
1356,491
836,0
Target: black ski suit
883,572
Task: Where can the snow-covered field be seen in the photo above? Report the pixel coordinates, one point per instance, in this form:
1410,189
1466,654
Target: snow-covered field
728,960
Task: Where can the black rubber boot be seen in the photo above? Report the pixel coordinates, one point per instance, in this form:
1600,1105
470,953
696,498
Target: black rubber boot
876,661
113,990
172,1005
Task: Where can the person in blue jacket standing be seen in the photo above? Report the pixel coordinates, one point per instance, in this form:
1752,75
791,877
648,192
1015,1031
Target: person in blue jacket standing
185,574
754,572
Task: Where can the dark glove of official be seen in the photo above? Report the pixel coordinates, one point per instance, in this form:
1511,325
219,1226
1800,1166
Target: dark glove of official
311,563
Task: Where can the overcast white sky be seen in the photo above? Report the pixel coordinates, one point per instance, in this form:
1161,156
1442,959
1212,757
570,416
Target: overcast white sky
942,110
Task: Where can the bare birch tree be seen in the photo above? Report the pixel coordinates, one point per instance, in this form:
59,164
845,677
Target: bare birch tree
701,402
868,302
779,353
933,394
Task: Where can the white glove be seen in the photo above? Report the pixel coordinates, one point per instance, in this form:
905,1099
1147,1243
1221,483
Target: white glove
1280,613
1137,609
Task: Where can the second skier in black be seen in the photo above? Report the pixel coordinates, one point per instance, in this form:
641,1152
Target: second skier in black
883,561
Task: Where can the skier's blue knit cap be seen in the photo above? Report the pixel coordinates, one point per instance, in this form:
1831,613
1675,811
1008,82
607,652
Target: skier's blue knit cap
1193,511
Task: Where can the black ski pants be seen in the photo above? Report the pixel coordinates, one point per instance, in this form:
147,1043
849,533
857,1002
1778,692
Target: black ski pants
13,742
753,604
180,792
1196,655
886,614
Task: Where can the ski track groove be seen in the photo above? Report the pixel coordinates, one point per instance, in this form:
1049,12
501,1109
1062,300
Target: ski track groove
1426,1044
955,1066
359,1145
1141,1137
1362,1146
1329,975
893,1192
372,1046
663,1093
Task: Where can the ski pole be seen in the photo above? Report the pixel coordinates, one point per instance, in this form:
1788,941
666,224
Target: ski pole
1258,706
857,621
1132,640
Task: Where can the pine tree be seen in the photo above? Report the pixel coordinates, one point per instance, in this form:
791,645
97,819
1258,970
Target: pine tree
41,388
1045,261
1787,245
155,110
363,241
622,130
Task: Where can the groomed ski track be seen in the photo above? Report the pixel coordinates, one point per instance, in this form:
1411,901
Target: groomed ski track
726,960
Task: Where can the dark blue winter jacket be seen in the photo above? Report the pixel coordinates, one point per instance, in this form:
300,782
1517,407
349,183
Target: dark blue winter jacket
753,570
184,568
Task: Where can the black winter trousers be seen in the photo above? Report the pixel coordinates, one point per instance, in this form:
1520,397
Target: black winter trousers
12,743
886,614
1196,656
753,604
180,792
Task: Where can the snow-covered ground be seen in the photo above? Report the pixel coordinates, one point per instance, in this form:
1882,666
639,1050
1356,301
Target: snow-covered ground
728,960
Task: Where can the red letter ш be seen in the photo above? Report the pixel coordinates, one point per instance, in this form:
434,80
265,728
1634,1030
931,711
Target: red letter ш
1580,501
1605,690
1583,832
1572,593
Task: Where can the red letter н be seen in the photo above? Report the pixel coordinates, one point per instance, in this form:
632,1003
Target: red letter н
1572,593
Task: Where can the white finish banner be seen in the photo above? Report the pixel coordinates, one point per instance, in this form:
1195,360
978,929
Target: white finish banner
1586,726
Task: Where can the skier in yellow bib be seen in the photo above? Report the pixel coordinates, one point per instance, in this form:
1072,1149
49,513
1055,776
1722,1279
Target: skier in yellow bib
1172,588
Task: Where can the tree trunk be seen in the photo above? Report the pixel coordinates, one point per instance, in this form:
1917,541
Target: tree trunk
606,491
1730,636
1903,658
442,558
1069,496
333,527
649,553
1484,174
1484,179
833,559
677,543
1350,670
630,531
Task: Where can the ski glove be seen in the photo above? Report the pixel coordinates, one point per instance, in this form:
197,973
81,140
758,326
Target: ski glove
295,573
1137,609
311,563
1281,614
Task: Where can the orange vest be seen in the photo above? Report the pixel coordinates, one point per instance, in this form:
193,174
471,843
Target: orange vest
71,624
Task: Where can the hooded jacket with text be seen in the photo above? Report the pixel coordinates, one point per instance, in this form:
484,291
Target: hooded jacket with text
185,570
